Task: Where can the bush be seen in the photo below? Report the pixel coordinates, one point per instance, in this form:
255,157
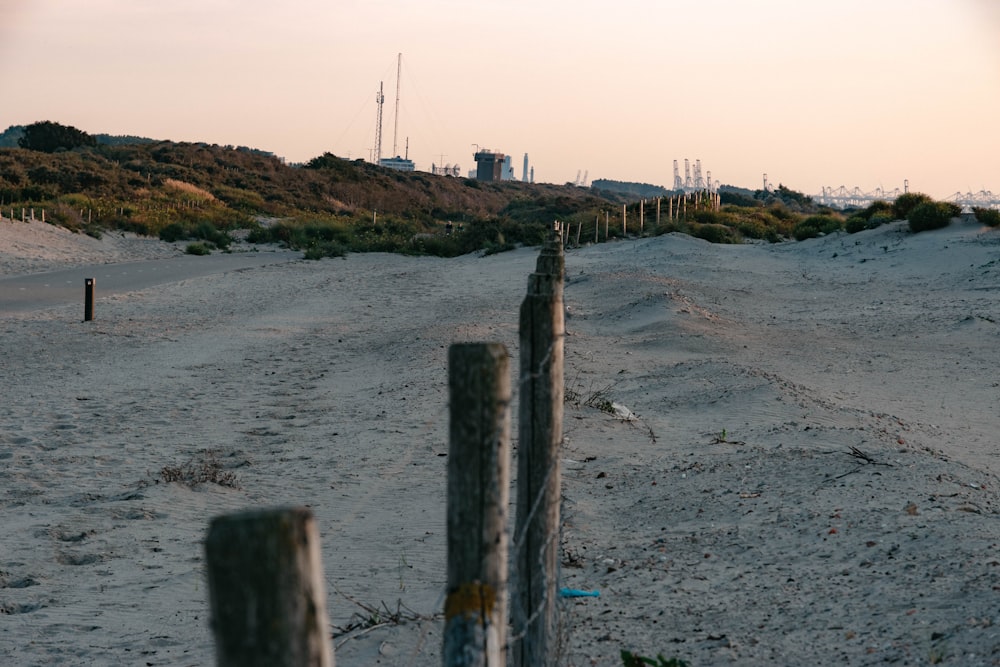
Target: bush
855,224
907,202
858,222
206,231
198,249
878,208
932,215
173,232
321,249
714,233
987,216
815,225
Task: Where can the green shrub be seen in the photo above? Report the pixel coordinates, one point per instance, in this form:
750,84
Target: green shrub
206,231
815,225
715,233
932,215
907,202
173,232
880,219
987,216
321,249
198,249
855,224
880,207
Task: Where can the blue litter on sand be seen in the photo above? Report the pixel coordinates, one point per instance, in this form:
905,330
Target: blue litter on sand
576,593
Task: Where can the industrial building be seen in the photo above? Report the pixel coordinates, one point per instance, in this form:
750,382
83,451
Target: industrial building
489,165
397,163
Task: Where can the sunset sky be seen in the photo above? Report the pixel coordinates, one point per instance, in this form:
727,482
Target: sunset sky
814,93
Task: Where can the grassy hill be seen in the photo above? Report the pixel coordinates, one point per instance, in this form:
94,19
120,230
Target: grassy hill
331,206
156,186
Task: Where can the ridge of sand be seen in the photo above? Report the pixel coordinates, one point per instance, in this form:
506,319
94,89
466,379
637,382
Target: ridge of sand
37,247
324,384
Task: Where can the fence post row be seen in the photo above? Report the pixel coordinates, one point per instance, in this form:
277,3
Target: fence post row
536,534
266,590
478,496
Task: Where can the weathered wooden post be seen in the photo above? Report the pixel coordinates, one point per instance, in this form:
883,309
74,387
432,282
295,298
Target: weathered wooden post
475,631
88,299
536,534
624,232
265,581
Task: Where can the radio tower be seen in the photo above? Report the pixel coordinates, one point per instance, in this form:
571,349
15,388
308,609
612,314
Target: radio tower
379,101
395,128
678,183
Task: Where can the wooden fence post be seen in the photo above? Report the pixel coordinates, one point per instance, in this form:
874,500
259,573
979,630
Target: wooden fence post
88,299
536,534
475,631
266,590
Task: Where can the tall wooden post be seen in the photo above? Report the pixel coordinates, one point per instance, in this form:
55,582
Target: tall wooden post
478,495
536,535
597,226
266,590
624,232
642,215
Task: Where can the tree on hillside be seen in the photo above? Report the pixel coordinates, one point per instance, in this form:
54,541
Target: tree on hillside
49,137
10,136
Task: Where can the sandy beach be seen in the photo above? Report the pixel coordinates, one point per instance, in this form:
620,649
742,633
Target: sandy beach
808,475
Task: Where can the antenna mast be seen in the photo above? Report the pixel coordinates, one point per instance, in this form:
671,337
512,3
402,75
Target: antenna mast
395,129
379,101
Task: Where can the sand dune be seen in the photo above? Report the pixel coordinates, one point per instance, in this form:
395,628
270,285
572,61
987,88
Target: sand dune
729,522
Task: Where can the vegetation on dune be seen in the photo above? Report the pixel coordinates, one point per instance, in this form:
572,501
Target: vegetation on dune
987,216
930,214
874,215
331,206
907,202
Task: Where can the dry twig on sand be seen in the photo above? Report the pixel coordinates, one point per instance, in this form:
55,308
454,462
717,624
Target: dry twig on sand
858,454
374,616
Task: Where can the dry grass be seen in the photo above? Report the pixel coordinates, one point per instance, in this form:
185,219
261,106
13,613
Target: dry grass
189,188
203,468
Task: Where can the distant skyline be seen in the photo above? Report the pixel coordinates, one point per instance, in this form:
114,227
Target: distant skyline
818,93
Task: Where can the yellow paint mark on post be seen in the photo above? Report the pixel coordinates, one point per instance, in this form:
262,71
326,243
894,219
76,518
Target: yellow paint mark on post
471,600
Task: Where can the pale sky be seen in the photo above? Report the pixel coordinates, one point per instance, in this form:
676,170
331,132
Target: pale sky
812,92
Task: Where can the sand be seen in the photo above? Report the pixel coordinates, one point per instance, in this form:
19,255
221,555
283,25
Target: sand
809,474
